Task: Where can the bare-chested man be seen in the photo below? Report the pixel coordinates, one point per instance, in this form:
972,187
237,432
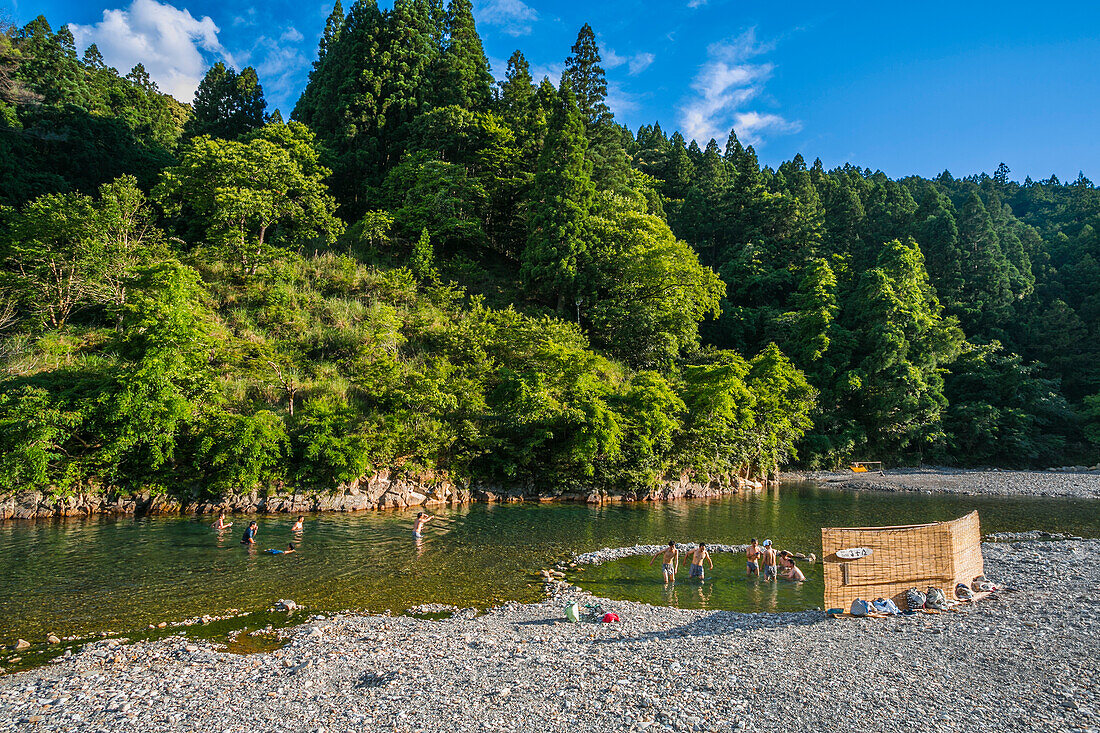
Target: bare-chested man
698,556
221,523
670,563
792,572
752,555
421,519
767,560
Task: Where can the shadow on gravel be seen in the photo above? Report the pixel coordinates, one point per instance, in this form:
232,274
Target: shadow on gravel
722,623
373,679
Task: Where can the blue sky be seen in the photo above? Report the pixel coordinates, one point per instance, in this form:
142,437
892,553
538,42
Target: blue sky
902,87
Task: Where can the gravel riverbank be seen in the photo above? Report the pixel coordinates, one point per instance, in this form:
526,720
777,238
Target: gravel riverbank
1019,661
1079,483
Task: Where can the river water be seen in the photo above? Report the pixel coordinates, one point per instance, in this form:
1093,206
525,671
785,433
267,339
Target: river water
80,577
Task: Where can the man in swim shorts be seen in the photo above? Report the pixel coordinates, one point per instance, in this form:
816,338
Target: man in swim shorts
671,562
767,560
250,534
421,519
287,551
752,555
698,555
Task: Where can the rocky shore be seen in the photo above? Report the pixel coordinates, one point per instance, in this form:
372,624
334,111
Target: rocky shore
382,490
1022,660
1076,481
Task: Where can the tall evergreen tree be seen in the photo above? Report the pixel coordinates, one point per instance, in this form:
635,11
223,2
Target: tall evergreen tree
560,203
466,78
904,342
987,297
334,24
517,91
586,78
344,104
227,104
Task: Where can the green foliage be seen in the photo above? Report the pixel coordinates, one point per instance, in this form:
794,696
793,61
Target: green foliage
605,287
253,197
69,252
237,454
70,125
560,201
648,290
466,78
227,104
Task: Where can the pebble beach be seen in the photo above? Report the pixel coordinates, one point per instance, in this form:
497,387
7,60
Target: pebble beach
1075,481
1021,660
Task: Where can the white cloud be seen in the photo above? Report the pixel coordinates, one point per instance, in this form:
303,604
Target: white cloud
635,64
640,62
291,35
696,4
724,84
552,72
170,43
749,125
282,68
619,100
497,67
514,17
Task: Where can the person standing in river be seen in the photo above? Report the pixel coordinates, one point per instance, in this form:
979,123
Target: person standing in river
421,519
221,523
250,534
767,560
671,562
752,557
698,556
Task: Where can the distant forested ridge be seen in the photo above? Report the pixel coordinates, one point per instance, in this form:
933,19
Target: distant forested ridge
424,269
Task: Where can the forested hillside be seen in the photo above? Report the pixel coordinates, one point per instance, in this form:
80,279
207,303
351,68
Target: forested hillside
425,269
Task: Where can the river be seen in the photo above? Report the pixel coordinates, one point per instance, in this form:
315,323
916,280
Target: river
119,574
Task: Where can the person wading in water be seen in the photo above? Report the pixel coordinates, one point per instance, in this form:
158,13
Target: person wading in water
768,560
671,561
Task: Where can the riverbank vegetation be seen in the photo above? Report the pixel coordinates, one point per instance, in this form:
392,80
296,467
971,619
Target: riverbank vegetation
428,270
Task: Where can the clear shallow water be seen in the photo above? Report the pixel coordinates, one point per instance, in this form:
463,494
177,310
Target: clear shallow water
120,574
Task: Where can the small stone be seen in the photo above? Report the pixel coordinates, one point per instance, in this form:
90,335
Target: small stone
53,639
162,624
191,648
22,644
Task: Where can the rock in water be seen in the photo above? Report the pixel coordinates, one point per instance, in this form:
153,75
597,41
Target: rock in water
286,605
22,644
53,639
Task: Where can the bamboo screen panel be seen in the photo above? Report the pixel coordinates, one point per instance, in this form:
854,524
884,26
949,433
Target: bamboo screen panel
912,556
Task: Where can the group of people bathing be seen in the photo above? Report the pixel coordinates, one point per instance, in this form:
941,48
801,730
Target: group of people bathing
249,538
759,557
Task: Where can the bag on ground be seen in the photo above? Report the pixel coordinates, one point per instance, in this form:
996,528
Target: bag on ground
963,592
861,607
982,584
914,599
885,605
936,599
